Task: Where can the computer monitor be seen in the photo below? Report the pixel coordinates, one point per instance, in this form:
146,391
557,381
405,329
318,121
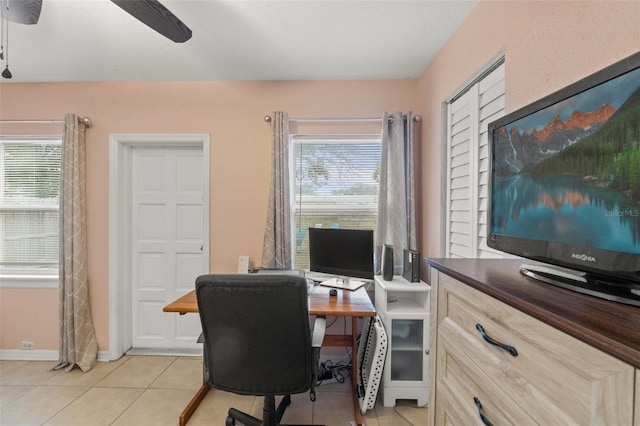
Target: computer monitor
345,252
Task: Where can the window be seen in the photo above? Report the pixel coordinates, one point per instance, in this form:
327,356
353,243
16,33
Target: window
468,164
335,183
29,198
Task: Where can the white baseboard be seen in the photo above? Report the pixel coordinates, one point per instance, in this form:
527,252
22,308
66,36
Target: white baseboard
40,355
105,356
197,352
28,355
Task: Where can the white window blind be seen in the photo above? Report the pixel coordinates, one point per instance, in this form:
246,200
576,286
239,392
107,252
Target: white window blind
29,197
335,184
468,165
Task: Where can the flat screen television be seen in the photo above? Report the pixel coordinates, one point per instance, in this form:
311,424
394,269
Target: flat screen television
338,251
565,184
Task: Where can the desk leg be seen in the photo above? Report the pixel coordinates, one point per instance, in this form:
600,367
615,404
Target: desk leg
193,404
354,370
202,392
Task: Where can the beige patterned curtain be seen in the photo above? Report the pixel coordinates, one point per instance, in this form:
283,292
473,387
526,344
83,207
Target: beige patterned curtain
78,345
276,251
397,198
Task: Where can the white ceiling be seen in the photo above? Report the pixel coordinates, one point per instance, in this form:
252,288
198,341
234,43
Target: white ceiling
95,40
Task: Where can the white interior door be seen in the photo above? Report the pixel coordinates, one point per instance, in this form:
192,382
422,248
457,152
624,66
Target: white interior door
167,237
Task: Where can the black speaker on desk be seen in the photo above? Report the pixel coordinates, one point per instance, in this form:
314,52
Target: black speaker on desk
387,262
411,268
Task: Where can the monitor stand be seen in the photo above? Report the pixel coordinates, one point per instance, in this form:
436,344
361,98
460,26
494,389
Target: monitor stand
582,282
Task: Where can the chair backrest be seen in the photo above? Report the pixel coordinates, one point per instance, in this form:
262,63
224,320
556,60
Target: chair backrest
256,331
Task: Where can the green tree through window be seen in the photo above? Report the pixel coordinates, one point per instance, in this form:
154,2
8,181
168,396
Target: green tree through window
335,183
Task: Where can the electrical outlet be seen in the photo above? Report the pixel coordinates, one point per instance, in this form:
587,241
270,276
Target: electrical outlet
26,345
243,264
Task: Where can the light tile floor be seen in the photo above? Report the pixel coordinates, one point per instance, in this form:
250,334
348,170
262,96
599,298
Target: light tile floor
153,390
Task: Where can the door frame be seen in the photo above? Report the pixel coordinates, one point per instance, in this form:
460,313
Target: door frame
121,146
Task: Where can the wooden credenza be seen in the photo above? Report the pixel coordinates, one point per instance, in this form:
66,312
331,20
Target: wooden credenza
548,356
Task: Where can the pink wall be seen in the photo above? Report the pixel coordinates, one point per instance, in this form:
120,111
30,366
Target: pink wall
547,45
232,112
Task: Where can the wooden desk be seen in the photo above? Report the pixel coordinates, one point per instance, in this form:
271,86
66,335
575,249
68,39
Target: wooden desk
354,304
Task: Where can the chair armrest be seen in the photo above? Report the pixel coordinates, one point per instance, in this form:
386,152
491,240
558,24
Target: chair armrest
319,328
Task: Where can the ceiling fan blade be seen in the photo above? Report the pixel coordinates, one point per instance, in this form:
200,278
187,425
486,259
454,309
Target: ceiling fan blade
22,12
153,14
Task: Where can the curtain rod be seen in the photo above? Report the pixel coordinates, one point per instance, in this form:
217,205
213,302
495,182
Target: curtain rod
86,120
267,119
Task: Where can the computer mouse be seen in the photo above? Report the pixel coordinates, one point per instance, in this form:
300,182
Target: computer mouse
333,292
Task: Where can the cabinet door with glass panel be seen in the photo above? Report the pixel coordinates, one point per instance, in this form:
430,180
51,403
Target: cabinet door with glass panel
407,350
407,366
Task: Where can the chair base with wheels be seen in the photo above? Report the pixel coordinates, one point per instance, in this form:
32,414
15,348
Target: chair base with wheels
270,415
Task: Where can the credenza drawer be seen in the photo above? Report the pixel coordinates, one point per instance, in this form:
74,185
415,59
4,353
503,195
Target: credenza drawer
468,393
554,378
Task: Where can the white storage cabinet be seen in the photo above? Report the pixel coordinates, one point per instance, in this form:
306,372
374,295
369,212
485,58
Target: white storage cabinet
404,309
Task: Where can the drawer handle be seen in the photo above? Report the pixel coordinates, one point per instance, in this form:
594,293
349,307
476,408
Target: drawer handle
484,419
493,341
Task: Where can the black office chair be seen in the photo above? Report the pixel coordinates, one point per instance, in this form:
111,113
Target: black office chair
257,339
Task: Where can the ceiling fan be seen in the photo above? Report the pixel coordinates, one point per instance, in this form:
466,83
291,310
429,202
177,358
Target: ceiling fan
150,12
153,14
